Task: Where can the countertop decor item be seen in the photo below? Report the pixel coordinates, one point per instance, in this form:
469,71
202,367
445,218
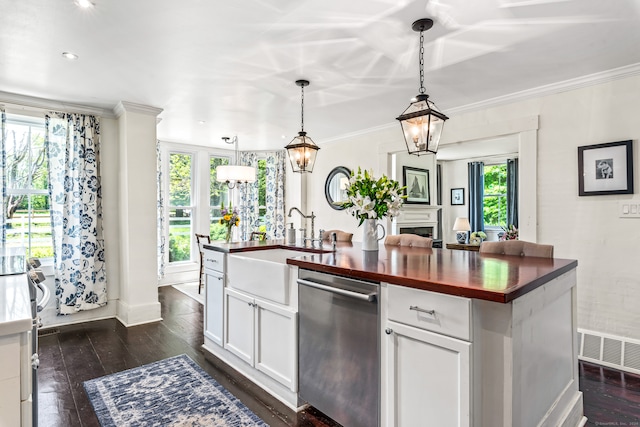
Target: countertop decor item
230,218
461,227
421,122
510,233
477,237
370,199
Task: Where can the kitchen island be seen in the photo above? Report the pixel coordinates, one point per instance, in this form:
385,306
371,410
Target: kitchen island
466,339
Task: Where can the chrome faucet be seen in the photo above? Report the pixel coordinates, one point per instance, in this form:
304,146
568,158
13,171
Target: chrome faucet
312,216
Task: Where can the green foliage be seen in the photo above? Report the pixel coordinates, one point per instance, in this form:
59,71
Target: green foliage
217,190
495,195
179,248
179,179
262,182
371,198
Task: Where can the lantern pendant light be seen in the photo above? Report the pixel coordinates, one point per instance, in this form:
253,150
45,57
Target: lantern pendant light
302,150
421,122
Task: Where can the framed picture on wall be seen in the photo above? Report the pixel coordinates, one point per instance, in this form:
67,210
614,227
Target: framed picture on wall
605,169
417,183
457,196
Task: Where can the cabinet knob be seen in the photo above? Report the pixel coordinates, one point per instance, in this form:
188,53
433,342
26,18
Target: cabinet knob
388,331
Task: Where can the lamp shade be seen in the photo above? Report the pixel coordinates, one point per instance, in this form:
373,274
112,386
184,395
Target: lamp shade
302,153
461,224
422,126
235,173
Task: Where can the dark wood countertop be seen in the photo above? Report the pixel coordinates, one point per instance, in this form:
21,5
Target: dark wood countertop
496,278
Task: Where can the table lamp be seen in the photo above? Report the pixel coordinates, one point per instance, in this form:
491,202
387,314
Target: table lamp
461,227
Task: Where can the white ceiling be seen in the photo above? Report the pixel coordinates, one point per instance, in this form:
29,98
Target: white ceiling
233,64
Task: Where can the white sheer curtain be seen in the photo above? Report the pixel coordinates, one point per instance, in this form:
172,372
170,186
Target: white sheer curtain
73,151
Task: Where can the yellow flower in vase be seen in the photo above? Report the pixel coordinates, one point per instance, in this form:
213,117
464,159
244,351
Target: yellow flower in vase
229,219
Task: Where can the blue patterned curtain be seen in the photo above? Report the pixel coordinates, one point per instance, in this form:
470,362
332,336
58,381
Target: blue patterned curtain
160,213
73,151
476,196
512,192
248,209
274,218
3,180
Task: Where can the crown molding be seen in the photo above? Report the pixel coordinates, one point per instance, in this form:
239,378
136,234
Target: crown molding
25,102
553,88
540,91
130,107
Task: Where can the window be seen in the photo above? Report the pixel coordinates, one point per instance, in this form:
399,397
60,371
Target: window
26,201
495,195
262,193
218,195
180,207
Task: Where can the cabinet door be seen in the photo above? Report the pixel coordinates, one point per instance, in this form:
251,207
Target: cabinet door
213,313
428,376
276,343
238,330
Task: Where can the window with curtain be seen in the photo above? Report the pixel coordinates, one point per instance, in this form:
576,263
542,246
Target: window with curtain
218,195
180,206
26,197
495,195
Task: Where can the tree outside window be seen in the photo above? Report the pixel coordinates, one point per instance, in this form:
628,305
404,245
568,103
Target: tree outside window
26,201
180,207
262,194
495,195
218,195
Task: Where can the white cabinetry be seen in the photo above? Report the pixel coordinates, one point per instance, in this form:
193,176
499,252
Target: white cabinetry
214,284
263,335
428,374
454,361
251,333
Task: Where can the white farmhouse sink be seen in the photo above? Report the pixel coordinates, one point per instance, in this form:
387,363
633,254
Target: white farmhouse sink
262,273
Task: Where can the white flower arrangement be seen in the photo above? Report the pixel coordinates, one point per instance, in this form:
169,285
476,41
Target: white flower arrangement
477,237
371,198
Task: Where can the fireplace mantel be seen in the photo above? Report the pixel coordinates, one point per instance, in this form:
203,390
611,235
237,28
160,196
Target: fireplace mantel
417,216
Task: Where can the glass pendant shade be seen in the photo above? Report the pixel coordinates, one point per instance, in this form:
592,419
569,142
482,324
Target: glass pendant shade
302,153
422,126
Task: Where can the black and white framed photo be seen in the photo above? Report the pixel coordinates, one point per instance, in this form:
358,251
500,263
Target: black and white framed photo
605,169
417,183
457,196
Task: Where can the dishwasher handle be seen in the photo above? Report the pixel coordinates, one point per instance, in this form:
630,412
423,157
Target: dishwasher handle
364,297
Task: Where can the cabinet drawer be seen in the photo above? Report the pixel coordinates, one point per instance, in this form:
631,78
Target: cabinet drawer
441,313
214,260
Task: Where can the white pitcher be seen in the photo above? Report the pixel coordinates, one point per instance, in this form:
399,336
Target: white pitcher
370,235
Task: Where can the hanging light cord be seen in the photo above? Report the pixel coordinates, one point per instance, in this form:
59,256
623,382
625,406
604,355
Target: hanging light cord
302,109
422,89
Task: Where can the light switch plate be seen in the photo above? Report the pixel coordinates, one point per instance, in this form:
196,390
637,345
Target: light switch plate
629,208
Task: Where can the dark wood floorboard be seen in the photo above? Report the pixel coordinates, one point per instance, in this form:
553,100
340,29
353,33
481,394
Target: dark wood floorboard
76,353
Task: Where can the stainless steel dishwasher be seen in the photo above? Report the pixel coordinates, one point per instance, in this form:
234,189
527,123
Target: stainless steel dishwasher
339,347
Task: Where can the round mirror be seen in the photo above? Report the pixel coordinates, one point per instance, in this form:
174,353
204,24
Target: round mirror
336,185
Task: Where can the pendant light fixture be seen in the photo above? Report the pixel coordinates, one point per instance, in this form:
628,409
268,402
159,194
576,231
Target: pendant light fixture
302,150
421,122
235,174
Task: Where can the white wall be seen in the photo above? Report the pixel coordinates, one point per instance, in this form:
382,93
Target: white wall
584,228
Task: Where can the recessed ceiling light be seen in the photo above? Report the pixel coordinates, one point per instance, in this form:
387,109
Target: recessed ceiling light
86,4
70,56
200,122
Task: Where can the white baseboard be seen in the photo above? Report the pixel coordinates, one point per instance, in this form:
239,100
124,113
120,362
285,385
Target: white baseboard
132,315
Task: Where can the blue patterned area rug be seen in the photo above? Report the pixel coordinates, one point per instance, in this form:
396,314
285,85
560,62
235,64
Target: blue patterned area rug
171,392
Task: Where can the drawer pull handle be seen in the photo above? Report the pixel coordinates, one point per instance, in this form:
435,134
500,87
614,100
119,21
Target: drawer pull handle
212,260
422,310
388,331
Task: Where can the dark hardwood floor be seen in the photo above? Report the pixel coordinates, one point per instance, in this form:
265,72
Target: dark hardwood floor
70,355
